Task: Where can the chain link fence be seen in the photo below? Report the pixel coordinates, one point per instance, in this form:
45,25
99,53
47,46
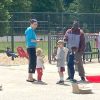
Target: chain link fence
50,23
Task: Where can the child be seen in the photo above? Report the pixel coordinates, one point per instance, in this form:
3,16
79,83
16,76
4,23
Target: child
70,63
40,64
61,60
10,53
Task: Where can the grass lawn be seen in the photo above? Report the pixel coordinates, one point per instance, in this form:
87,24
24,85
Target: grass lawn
42,44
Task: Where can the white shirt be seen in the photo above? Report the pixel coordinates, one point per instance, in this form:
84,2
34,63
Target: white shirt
73,40
58,51
40,62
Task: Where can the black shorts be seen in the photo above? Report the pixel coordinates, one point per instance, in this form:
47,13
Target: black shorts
32,59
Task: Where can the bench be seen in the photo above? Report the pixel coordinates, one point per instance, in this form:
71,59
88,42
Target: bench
89,52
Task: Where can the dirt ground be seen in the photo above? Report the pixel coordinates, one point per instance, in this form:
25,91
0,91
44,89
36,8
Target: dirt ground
5,60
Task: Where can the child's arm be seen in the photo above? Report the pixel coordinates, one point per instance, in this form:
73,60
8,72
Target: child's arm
66,51
58,54
41,59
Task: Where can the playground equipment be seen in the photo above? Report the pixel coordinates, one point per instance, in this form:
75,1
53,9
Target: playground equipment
22,53
9,53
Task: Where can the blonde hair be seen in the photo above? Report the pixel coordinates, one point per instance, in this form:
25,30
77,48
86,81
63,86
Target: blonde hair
39,52
60,42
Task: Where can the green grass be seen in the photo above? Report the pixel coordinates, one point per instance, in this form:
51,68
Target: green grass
43,45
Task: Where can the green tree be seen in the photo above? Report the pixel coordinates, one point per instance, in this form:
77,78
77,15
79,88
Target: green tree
73,7
47,5
20,6
89,6
15,8
4,17
85,6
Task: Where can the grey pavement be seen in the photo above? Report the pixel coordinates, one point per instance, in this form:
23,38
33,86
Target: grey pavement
15,87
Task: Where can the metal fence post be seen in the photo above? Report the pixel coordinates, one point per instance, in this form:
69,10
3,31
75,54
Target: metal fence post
62,20
49,40
12,36
94,23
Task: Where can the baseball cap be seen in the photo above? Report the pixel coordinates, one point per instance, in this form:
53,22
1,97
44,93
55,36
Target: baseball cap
60,42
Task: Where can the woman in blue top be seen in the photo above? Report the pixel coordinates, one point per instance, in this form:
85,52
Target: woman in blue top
31,43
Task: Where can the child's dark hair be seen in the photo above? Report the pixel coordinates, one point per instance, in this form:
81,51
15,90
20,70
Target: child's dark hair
74,49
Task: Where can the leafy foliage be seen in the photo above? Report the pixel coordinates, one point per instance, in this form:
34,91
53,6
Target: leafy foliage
73,6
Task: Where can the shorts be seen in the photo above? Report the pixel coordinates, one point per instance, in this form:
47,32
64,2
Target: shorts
61,69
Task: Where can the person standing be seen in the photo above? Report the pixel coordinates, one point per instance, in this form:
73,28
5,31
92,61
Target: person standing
61,61
40,64
31,44
76,32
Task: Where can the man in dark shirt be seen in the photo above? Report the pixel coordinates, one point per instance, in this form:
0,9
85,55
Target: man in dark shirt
78,55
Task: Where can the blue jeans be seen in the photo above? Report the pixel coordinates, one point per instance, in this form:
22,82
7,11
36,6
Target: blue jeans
71,70
70,66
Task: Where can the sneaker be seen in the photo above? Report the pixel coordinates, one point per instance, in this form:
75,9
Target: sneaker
60,82
83,78
73,80
68,78
39,81
0,87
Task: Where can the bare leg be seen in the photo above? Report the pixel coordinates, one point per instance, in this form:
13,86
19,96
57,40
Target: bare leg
61,75
30,76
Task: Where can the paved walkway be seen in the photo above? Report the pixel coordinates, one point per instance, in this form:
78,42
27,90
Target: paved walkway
15,87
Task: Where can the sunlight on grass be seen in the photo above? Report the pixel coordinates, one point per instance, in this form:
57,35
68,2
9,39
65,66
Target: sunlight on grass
42,44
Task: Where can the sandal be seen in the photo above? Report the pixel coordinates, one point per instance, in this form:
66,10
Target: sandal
34,79
30,80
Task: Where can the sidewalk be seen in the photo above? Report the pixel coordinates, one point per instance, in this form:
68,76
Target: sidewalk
15,87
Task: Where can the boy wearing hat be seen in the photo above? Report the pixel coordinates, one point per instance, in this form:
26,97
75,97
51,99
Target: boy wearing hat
61,61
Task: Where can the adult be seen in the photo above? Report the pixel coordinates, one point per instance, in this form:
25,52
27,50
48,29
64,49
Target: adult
31,44
78,55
